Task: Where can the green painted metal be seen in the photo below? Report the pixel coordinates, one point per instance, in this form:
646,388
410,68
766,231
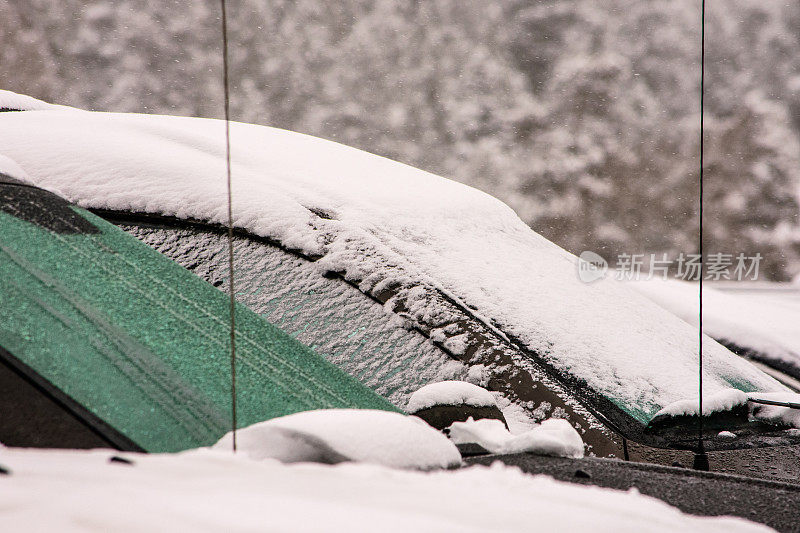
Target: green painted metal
143,343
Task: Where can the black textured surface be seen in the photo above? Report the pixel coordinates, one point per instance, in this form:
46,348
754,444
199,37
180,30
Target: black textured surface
444,416
41,207
5,179
32,419
779,463
700,493
469,449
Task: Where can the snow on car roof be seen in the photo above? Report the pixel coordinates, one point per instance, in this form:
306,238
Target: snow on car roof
10,101
205,490
375,219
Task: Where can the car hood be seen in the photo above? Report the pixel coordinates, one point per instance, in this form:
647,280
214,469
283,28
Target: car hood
380,222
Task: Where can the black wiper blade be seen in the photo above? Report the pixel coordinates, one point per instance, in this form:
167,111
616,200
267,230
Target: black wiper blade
790,405
679,430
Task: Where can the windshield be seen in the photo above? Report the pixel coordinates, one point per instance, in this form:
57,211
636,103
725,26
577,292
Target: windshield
326,313
388,340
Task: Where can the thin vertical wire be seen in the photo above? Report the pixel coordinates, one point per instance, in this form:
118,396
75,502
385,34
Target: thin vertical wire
702,93
230,218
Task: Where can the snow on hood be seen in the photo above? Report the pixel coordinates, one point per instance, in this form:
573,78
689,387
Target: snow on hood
373,218
337,435
209,491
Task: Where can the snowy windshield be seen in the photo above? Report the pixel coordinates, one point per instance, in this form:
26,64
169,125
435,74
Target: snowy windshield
328,315
380,223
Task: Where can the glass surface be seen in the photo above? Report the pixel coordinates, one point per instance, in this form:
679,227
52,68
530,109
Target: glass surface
327,314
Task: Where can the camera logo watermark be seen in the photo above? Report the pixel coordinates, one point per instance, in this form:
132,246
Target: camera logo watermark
688,267
591,267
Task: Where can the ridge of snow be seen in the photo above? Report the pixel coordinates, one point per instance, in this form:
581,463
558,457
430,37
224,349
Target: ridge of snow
450,393
21,102
554,437
337,435
720,401
209,491
374,219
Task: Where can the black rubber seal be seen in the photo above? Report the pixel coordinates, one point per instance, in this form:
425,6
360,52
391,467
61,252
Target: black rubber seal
41,207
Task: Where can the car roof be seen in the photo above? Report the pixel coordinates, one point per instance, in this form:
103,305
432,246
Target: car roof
381,223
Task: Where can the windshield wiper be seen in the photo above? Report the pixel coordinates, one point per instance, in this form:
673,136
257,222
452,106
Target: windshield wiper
741,419
790,405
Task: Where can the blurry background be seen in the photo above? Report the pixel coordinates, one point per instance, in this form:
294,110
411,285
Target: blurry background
581,115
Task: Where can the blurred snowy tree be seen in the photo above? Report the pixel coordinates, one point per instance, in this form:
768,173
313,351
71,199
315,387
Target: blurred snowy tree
582,115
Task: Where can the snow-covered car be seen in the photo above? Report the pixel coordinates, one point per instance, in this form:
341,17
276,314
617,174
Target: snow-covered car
402,278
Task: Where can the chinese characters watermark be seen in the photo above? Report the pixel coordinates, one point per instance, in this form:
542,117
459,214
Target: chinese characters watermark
689,267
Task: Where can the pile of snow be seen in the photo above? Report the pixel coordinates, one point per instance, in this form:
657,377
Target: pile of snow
450,393
381,224
336,435
210,491
759,321
520,418
555,437
721,401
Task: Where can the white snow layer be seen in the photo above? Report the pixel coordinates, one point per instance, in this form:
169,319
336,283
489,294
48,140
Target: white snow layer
381,221
554,436
450,393
760,321
336,435
210,491
720,401
21,102
518,418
